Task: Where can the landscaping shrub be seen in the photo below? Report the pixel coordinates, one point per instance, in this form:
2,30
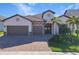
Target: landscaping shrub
77,31
64,29
1,33
65,42
59,39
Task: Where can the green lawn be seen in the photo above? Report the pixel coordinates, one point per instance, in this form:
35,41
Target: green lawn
1,34
64,43
74,34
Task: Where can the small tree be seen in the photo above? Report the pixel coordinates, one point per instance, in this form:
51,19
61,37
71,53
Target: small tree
56,20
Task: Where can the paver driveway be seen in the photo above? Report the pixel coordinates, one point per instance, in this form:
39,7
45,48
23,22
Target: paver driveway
24,43
35,46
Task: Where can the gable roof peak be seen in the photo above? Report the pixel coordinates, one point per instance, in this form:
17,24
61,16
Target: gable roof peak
17,15
46,12
49,11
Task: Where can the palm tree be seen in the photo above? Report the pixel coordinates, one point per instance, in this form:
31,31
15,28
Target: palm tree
55,20
72,21
77,24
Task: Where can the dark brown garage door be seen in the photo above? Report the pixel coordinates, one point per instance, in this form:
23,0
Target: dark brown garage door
37,30
17,30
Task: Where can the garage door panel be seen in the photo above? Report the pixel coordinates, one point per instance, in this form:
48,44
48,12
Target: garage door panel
17,30
37,30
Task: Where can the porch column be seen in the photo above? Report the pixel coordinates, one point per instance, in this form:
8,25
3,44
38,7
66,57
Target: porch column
55,29
30,29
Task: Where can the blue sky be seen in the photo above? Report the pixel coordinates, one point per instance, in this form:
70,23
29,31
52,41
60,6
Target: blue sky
9,9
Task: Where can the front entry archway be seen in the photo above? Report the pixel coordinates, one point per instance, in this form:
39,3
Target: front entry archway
48,28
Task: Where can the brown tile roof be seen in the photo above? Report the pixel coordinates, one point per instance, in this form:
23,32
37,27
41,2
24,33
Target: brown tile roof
38,16
35,17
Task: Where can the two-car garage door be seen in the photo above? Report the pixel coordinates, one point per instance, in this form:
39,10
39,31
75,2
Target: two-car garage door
17,30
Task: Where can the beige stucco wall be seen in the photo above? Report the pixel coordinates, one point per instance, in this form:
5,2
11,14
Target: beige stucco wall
20,22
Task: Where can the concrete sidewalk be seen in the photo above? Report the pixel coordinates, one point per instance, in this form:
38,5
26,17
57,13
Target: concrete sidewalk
38,53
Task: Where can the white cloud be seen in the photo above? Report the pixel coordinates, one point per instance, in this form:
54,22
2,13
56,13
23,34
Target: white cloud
24,9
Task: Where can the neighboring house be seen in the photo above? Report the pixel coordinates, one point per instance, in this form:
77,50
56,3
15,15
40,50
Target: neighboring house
72,12
29,25
67,14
